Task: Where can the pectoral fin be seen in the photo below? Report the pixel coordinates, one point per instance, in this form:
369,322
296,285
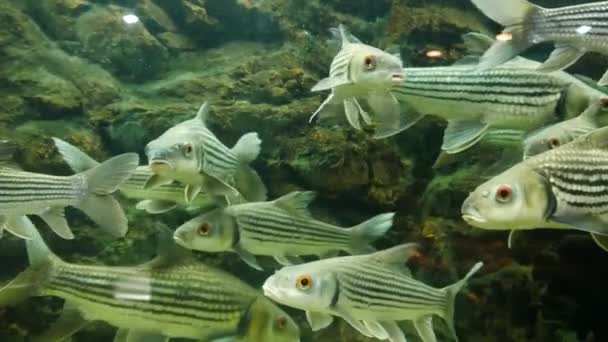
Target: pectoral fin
124,335
460,135
19,226
604,80
386,110
562,57
191,191
69,322
247,257
156,181
155,206
376,329
424,326
329,83
601,240
318,320
288,260
55,218
351,109
587,223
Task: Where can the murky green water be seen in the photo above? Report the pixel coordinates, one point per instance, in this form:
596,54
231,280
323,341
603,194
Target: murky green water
237,179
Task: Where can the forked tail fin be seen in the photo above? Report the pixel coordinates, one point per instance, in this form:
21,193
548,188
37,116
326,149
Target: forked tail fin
451,292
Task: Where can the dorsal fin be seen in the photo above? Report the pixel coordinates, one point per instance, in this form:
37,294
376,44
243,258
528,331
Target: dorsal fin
296,203
167,252
203,113
342,35
397,256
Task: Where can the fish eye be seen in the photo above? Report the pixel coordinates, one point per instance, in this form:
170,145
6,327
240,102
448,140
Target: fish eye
188,149
553,142
604,103
282,322
370,62
304,282
204,229
503,194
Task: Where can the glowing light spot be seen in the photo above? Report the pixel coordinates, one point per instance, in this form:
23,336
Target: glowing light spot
583,29
130,19
434,54
504,37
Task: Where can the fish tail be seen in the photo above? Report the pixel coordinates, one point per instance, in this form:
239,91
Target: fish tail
514,15
248,148
369,231
250,185
28,282
451,292
102,181
77,160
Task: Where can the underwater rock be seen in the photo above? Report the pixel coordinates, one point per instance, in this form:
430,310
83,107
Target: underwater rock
18,32
176,42
128,51
56,17
154,17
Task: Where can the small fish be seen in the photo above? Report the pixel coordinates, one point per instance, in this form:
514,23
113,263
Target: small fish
474,102
172,296
283,229
192,155
563,188
359,72
370,292
566,131
575,30
155,201
27,193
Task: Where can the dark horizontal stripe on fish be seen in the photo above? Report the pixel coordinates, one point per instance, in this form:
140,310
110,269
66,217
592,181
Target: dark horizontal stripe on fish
36,182
572,10
471,77
288,223
402,290
156,283
129,306
301,240
465,99
502,92
490,89
274,232
356,296
34,199
156,300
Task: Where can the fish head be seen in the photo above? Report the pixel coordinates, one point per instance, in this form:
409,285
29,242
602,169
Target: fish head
375,69
173,152
547,139
306,287
265,321
519,198
213,231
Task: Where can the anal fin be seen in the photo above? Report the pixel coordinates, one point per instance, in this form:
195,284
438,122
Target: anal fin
247,257
424,327
318,320
460,135
562,57
601,241
20,226
55,218
69,322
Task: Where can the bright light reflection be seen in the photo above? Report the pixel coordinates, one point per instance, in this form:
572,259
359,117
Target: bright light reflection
434,54
130,19
583,29
504,37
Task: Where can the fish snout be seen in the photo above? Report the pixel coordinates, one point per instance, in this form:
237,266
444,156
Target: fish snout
180,238
396,78
470,213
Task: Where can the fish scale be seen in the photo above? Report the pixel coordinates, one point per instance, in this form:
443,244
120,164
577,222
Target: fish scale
19,188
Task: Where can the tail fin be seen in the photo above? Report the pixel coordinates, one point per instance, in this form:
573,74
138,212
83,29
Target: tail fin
250,185
102,181
75,158
451,292
28,282
369,231
514,16
248,148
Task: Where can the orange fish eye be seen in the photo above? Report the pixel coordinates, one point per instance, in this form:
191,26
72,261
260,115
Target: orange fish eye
503,194
204,229
304,282
282,323
553,142
370,62
188,149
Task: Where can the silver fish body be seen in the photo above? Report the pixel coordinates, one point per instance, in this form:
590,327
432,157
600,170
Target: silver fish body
371,292
27,193
192,155
360,73
283,229
575,30
563,188
169,297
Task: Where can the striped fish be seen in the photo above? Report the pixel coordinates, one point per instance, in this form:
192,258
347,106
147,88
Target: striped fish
563,188
155,201
192,155
370,292
27,193
575,30
173,296
566,131
283,229
362,72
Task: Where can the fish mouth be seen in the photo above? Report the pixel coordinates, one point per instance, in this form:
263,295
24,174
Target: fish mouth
473,219
268,291
397,78
157,165
178,240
